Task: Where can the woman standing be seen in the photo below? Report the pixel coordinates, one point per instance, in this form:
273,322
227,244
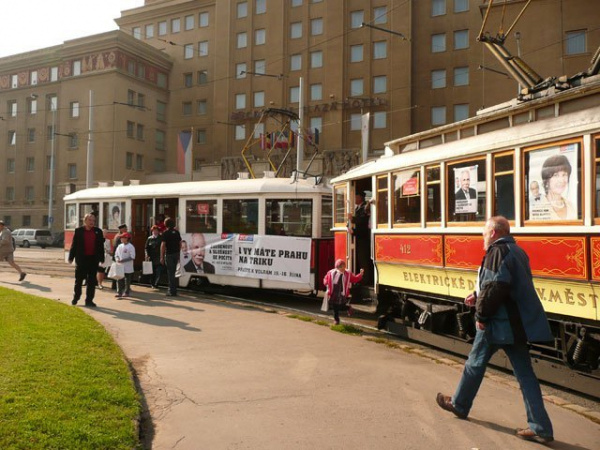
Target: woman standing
102,267
338,282
153,254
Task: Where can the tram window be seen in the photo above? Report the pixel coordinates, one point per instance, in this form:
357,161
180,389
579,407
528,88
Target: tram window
326,216
113,215
434,196
71,217
240,216
340,205
466,191
383,199
597,166
288,217
504,186
407,196
201,216
88,208
552,180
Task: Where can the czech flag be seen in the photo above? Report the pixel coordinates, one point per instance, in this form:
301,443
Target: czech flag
184,152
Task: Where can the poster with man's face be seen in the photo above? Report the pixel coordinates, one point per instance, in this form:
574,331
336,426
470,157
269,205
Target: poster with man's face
552,183
465,195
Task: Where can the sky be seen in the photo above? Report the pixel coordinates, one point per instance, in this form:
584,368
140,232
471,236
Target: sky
56,20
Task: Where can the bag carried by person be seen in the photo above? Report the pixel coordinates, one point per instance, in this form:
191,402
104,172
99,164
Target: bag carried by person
147,268
117,271
325,304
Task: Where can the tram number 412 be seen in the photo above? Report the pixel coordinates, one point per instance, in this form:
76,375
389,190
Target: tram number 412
405,249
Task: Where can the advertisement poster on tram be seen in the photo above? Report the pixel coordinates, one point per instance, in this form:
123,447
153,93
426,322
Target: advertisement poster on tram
279,258
553,181
465,196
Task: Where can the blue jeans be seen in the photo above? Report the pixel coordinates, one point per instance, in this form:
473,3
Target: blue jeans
171,261
519,357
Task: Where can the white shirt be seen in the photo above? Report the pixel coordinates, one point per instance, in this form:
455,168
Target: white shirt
125,251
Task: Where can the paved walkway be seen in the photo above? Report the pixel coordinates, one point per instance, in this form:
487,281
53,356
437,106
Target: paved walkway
223,375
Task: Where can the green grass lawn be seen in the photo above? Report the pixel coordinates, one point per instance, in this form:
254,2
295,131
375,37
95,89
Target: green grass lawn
64,383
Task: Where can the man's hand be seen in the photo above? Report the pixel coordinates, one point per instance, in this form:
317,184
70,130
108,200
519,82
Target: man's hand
362,271
70,261
480,325
470,300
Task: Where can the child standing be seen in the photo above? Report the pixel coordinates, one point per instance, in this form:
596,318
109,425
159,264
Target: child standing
125,254
338,282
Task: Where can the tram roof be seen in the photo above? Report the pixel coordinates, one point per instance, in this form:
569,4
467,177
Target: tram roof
194,188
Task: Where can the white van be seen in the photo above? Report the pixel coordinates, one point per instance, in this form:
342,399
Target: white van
26,237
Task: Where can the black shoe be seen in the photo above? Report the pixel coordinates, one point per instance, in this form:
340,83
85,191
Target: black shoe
445,402
169,294
22,276
74,301
90,304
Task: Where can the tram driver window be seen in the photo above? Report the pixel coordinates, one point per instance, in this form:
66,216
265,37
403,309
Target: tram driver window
340,216
466,191
89,208
504,186
552,180
201,216
382,201
240,216
407,197
434,195
71,217
288,217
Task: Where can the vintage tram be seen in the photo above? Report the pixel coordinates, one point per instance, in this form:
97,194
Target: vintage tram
536,162
271,233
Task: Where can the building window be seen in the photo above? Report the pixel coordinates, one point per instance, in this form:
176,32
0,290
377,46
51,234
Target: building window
357,87
203,48
159,140
12,108
49,164
32,106
316,27
160,165
162,28
50,132
10,194
316,59
201,107
357,18
31,135
73,140
10,165
575,42
141,103
461,76
76,68
380,14
186,109
380,84
189,23
27,220
295,62
294,94
242,10
33,77
74,109
380,50
316,91
242,40
129,160
130,97
139,162
240,101
130,128
261,6
203,19
461,112
260,66
140,132
161,80
296,3
380,120
438,115
72,171
461,6
438,43
260,36
461,39
54,74
259,130
12,137
240,132
188,51
14,81
438,79
438,7
137,32
355,122
30,164
188,80
259,99
161,111
201,136
240,70
175,25
296,30
316,125
356,53
150,31
202,77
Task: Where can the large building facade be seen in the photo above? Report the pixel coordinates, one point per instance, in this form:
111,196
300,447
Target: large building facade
212,67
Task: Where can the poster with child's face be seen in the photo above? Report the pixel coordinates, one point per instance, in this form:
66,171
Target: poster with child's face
465,196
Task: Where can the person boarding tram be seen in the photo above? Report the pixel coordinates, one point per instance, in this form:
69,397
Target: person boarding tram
361,230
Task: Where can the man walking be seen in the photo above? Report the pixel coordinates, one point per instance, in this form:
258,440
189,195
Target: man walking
87,249
169,254
7,250
509,314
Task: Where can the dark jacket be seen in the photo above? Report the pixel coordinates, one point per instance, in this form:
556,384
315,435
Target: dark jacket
77,251
507,302
361,219
153,248
206,267
460,194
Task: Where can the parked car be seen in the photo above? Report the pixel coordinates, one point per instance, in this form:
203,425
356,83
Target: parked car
26,237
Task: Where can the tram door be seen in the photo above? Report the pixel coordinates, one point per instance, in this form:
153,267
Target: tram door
360,225
141,221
